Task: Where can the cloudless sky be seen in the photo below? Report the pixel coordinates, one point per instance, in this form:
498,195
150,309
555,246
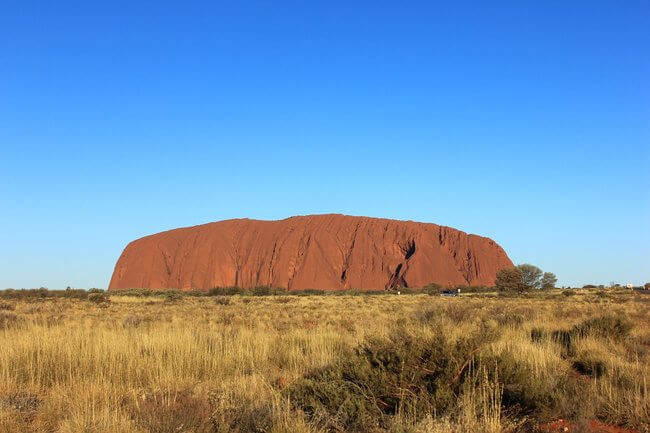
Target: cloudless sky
527,122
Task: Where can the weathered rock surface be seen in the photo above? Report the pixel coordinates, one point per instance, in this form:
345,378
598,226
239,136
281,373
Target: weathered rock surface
309,252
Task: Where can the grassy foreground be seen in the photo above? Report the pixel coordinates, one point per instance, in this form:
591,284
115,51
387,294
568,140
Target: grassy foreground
418,363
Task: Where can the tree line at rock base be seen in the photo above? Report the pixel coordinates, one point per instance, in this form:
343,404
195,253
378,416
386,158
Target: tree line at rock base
521,278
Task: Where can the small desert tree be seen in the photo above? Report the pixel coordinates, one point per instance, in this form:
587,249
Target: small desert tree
509,280
531,276
647,286
548,280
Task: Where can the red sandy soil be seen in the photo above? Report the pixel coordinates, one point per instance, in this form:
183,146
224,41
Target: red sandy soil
331,252
591,427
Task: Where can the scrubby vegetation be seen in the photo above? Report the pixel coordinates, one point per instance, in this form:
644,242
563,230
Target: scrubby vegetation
271,361
524,277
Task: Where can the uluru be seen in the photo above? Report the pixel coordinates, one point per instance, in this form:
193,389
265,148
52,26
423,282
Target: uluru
331,252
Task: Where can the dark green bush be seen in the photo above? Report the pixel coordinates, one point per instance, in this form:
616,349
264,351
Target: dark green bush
262,291
607,326
404,373
226,291
522,393
96,290
589,365
432,289
307,292
268,291
565,339
537,335
173,296
98,298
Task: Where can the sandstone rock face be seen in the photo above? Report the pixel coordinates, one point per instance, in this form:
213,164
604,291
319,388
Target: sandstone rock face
330,252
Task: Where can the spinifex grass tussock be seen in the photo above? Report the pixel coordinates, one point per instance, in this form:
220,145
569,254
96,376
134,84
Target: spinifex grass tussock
275,362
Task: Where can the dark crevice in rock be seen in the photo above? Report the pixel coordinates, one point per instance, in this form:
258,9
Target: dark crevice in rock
397,280
410,250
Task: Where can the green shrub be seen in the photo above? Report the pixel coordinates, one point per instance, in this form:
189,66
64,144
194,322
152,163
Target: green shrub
402,374
525,393
96,290
432,289
589,364
537,335
268,291
262,291
98,298
173,296
509,280
608,326
307,292
226,291
565,339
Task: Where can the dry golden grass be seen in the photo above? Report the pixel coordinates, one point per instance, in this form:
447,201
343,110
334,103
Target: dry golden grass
205,364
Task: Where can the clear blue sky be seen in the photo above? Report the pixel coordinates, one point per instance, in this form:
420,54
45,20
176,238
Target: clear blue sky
528,122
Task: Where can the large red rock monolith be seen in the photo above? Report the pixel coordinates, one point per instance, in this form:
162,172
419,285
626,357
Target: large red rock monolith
329,252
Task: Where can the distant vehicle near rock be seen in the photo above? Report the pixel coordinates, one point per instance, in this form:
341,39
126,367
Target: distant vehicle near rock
449,293
332,252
